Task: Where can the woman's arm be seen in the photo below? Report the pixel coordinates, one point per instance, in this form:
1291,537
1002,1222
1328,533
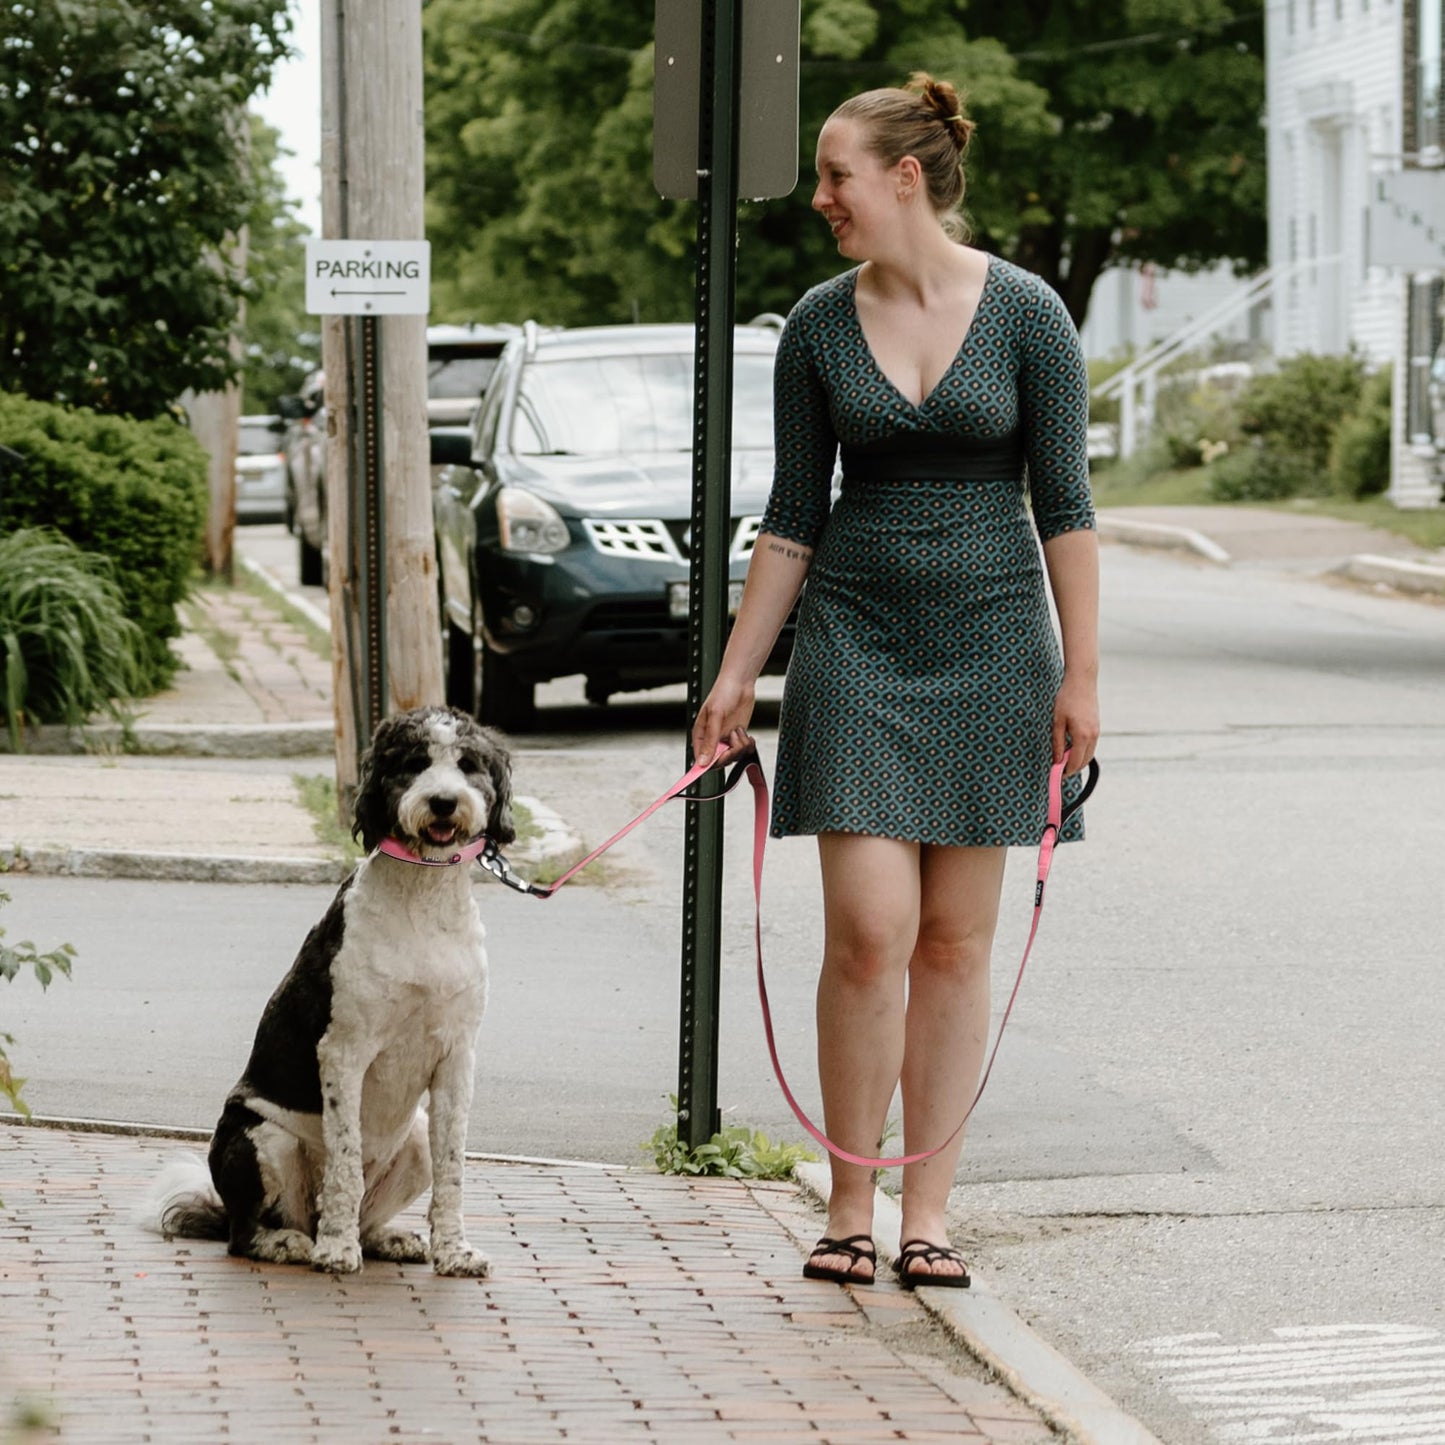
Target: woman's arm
775,578
1072,559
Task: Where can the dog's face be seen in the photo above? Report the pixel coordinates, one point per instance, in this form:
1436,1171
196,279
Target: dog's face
433,778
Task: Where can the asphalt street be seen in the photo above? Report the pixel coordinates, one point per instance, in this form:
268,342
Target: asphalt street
1207,1168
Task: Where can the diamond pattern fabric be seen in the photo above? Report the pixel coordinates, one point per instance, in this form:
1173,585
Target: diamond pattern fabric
919,699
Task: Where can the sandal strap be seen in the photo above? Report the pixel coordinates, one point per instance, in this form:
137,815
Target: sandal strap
922,1252
853,1246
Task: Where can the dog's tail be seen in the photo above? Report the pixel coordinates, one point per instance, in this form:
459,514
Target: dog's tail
183,1202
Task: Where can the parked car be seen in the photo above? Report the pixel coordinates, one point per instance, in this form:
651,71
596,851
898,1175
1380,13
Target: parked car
563,525
260,470
460,360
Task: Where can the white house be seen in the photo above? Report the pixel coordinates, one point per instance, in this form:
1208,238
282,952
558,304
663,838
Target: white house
1357,202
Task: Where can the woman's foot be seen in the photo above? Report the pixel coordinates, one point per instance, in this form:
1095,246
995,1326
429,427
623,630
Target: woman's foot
852,1260
920,1262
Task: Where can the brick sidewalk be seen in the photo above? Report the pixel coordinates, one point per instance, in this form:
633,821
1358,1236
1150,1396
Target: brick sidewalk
624,1307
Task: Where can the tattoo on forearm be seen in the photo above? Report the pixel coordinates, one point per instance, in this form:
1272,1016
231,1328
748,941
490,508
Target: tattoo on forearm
788,550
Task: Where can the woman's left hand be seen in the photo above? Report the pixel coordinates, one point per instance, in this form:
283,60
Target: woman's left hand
1076,722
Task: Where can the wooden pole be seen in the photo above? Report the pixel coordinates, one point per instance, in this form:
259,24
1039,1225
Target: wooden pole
372,188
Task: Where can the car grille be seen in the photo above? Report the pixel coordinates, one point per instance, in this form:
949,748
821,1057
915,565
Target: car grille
644,539
663,541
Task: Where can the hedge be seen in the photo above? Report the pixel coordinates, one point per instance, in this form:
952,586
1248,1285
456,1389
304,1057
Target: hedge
134,491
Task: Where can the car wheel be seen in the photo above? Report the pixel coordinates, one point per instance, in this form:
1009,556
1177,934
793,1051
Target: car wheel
312,564
459,659
508,701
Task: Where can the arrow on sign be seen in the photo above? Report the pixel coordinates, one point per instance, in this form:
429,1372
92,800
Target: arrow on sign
335,292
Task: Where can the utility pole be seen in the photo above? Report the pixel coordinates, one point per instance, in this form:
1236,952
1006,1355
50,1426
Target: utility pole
385,627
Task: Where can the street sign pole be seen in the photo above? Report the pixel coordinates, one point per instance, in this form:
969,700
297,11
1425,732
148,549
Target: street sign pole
717,192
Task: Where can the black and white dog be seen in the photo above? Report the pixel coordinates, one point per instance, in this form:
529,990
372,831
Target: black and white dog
325,1137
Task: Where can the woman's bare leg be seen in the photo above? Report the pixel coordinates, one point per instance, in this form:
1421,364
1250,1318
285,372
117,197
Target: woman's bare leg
870,915
947,1026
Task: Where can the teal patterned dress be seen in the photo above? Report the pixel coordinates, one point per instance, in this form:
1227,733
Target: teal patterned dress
919,700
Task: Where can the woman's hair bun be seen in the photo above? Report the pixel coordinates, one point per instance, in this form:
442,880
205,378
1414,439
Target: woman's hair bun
944,101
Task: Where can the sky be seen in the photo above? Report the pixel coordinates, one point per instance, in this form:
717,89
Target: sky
293,107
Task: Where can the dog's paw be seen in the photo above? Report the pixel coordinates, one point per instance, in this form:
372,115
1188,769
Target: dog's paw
461,1260
396,1246
336,1255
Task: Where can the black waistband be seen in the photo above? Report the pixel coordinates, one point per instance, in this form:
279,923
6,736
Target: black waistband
935,459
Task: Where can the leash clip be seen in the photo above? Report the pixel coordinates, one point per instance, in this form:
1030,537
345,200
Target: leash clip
500,869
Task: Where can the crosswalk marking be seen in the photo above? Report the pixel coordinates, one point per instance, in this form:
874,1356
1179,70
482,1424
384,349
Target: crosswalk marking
1311,1384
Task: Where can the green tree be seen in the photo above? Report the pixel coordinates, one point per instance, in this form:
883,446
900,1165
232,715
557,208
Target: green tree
1110,131
120,181
281,342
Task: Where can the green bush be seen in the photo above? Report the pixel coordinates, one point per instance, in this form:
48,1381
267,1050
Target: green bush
1360,456
134,492
67,649
1256,473
1296,409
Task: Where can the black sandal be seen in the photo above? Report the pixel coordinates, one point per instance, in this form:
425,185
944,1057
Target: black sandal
920,1251
859,1249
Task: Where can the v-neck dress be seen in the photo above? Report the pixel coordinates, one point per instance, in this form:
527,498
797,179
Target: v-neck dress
919,699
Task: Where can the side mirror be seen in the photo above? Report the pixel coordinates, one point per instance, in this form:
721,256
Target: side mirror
451,446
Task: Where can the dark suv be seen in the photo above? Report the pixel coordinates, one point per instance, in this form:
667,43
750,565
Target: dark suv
563,540
460,360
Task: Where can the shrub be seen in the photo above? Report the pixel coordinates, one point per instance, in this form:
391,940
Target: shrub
734,1153
1360,455
67,649
1296,409
1256,473
133,491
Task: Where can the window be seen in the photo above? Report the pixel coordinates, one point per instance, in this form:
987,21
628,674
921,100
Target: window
638,402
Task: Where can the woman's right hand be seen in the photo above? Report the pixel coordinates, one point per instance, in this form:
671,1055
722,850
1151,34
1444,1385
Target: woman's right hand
723,718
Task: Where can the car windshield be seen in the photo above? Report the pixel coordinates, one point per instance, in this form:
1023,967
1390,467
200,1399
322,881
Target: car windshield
257,438
633,402
458,378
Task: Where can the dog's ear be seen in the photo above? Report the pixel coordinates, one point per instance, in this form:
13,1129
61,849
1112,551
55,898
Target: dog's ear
500,826
369,809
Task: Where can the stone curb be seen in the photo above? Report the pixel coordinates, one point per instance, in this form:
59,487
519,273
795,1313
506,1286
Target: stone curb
1394,572
552,852
1159,534
980,1321
189,740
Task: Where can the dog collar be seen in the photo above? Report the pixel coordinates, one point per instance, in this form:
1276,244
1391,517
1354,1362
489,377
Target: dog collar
482,848
394,848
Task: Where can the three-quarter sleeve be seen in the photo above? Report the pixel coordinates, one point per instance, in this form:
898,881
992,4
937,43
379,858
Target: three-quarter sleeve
1054,403
805,446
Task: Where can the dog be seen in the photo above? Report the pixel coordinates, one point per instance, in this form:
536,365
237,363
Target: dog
325,1137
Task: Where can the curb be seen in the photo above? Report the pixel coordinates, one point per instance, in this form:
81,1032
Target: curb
985,1326
190,740
555,850
1159,534
1394,572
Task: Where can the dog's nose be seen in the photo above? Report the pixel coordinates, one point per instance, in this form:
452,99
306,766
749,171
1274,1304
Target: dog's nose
442,807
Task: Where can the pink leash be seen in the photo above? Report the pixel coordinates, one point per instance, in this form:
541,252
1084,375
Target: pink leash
485,851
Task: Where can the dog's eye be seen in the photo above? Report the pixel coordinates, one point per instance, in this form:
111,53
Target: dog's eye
469,765
416,763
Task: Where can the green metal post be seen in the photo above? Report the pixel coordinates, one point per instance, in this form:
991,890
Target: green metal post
697,1115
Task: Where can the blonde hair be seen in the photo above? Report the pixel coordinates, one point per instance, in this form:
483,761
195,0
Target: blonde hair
924,120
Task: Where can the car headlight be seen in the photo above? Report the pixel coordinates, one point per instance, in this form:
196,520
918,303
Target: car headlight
527,524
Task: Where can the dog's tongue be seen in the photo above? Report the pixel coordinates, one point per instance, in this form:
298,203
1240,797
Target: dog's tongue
441,833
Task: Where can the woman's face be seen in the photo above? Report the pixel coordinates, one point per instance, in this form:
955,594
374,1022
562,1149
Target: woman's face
857,194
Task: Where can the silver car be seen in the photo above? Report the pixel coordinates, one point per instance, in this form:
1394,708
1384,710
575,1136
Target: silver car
260,470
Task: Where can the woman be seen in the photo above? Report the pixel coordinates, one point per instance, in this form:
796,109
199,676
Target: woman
927,696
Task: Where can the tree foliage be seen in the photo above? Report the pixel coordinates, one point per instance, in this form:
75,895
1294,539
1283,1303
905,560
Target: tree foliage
281,342
1110,131
121,178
